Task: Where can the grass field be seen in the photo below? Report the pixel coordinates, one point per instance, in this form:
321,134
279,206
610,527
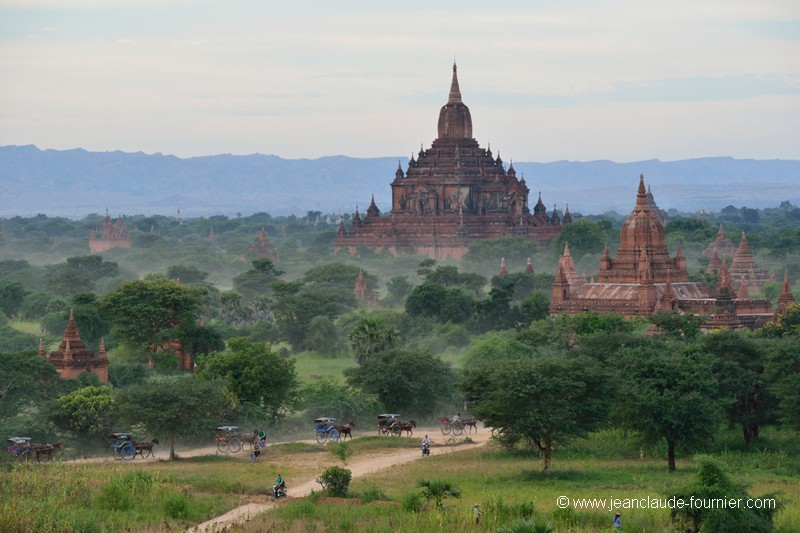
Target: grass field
512,486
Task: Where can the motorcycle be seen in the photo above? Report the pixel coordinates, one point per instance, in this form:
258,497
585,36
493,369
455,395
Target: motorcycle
426,449
278,491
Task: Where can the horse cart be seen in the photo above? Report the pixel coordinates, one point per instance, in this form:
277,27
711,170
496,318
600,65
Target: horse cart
21,448
229,439
389,424
122,446
455,426
326,430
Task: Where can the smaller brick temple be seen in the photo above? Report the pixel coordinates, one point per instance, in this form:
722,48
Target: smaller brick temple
112,234
72,358
451,194
261,246
644,278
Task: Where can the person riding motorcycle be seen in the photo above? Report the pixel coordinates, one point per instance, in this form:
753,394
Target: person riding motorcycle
426,446
279,487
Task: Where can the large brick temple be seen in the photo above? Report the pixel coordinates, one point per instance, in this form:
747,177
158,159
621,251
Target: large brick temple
72,358
110,235
643,279
451,194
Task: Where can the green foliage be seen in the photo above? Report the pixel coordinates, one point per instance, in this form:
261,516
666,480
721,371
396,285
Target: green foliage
257,280
143,312
497,346
713,484
584,237
322,336
436,490
406,381
547,401
783,373
254,374
296,304
341,450
527,525
330,398
25,379
335,481
370,336
787,325
536,306
12,294
36,305
668,391
399,287
412,502
186,273
88,413
439,302
337,275
124,373
176,506
177,407
678,325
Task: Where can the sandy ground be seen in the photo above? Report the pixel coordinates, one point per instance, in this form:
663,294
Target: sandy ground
359,467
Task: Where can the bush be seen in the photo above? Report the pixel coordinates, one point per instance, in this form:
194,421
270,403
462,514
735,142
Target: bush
176,506
335,481
372,494
412,502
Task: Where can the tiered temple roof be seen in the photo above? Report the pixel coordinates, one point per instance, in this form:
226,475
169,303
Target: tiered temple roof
73,358
110,235
449,195
261,247
644,278
744,269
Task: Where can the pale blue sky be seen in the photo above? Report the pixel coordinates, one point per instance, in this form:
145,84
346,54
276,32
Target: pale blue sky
579,80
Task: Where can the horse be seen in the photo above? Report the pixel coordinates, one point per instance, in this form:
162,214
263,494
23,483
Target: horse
345,430
471,422
142,447
46,449
408,427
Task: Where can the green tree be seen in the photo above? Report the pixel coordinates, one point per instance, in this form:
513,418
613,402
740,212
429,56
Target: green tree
436,490
87,413
146,312
668,391
739,367
254,374
783,374
257,280
536,306
370,336
432,300
330,398
337,275
322,336
546,401
713,484
296,304
178,407
187,274
12,294
584,237
399,287
25,379
406,380
678,325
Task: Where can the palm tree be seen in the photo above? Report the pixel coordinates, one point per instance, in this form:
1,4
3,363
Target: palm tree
437,490
370,336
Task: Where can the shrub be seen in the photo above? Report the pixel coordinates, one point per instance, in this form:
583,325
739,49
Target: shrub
176,506
372,494
412,502
335,480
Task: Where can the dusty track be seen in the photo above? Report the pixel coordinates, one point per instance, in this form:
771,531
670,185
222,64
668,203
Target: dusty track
358,467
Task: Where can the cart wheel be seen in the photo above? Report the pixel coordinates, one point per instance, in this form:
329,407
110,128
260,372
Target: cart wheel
458,429
222,446
445,429
235,444
128,451
322,437
333,436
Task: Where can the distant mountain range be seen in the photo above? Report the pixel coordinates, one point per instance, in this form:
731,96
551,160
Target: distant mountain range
75,183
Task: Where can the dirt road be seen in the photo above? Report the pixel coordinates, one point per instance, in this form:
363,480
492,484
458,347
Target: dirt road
359,468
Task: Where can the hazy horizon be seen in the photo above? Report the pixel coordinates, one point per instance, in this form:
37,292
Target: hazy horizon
577,81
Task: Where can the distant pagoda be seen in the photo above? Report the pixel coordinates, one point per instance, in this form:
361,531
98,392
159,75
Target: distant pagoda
112,234
451,194
72,358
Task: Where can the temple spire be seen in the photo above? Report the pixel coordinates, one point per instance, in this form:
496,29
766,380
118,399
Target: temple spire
455,92
641,195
